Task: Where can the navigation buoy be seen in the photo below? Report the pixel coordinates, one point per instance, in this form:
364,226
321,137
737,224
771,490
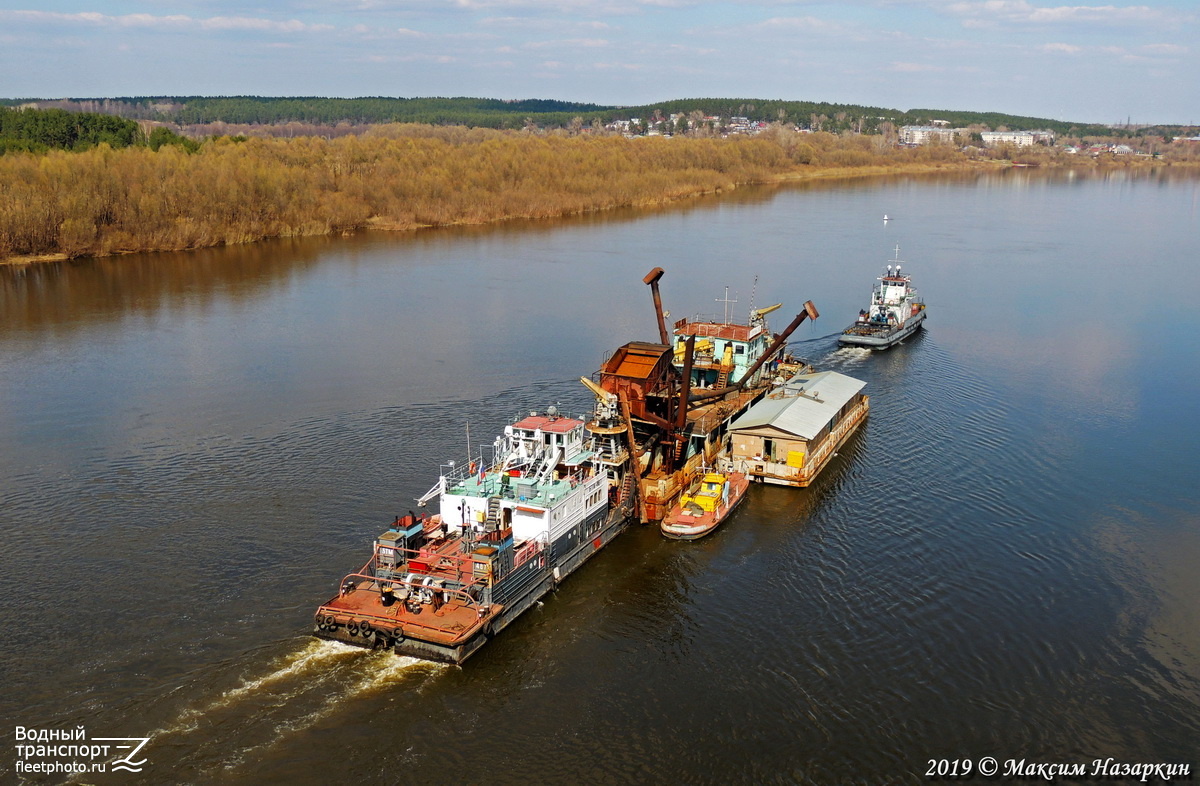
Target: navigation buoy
885,217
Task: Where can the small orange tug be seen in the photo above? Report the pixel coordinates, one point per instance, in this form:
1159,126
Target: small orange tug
703,509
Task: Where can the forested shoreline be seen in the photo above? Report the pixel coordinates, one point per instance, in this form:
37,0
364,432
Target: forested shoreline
268,111
103,201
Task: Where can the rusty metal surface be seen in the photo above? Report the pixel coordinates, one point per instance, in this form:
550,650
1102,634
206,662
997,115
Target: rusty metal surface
652,279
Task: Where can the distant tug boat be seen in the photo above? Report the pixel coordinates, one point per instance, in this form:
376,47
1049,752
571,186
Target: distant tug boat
439,586
703,509
896,312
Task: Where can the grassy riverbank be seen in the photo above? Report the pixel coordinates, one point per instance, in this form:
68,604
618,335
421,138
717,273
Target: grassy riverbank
103,201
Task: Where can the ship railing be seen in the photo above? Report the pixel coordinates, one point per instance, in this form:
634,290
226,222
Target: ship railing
701,358
611,457
708,322
465,469
462,595
574,478
461,568
517,583
712,417
454,473
527,552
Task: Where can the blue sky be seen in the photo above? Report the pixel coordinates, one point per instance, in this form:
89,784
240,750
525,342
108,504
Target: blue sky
1096,63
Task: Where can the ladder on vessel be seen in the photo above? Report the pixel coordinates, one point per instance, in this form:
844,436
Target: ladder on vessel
492,521
723,377
626,487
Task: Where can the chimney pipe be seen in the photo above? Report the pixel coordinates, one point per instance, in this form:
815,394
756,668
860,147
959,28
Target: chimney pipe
652,279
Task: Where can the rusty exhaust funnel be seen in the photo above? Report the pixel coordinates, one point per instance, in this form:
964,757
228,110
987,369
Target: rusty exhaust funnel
652,279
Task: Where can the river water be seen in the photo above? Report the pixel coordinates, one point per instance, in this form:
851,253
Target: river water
195,448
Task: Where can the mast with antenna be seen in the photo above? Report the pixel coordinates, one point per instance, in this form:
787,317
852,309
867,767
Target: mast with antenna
727,303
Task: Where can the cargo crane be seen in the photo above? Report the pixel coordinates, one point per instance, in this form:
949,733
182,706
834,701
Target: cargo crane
672,415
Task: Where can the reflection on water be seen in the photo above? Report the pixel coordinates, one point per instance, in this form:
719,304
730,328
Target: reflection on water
195,447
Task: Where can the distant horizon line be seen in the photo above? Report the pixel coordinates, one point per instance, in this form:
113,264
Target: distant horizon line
1128,123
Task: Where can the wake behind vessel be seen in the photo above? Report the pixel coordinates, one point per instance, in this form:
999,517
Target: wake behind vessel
896,312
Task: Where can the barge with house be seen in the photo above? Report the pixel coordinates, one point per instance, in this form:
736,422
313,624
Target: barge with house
790,435
895,313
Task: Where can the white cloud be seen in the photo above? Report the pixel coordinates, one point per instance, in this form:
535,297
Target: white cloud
691,50
1068,49
589,7
913,68
590,43
1142,53
1165,49
412,58
528,23
167,22
793,24
989,13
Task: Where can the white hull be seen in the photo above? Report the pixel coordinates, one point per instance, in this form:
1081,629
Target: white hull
876,338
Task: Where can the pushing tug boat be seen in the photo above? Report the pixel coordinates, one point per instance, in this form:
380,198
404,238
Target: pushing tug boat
896,312
702,510
438,586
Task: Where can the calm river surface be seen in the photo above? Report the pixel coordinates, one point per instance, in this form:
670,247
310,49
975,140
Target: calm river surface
194,448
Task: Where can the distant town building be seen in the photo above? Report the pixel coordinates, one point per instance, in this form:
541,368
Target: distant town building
940,132
922,135
1018,138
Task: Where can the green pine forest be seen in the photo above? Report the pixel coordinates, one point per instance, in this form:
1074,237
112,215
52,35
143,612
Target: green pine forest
495,113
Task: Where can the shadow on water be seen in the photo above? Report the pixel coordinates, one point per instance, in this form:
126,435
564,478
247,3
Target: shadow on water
72,295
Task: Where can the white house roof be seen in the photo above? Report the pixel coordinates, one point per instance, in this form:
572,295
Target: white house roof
803,406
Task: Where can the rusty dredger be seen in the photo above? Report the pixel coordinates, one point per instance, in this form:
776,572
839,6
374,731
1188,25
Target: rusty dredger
438,585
